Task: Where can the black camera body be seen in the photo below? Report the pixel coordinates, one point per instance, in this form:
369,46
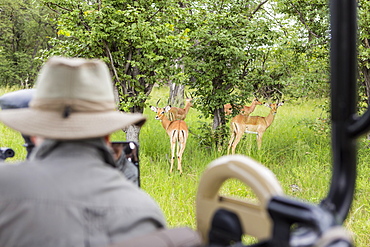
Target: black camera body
6,153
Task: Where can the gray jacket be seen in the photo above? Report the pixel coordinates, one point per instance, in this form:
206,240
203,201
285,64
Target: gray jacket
69,195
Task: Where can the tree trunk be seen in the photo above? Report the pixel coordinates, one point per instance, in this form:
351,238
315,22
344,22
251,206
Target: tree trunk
219,123
218,120
176,95
132,133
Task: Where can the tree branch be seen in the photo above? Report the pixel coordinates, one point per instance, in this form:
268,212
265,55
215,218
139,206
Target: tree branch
109,54
257,8
58,6
366,43
128,58
304,22
152,16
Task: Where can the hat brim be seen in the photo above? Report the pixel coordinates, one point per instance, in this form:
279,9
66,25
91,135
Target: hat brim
77,125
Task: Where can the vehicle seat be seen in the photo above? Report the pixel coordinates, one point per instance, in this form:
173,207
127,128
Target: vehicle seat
252,217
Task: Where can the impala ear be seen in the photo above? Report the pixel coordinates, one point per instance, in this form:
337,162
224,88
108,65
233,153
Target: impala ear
281,103
167,108
153,108
267,104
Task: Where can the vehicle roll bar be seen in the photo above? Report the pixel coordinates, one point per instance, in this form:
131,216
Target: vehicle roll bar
346,127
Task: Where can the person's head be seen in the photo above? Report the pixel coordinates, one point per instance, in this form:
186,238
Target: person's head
73,100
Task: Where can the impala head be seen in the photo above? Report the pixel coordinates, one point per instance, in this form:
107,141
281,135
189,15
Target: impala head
189,99
160,111
274,106
256,101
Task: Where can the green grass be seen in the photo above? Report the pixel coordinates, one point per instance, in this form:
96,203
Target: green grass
294,151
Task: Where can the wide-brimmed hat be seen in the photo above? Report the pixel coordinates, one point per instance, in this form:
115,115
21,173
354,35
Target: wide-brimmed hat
74,99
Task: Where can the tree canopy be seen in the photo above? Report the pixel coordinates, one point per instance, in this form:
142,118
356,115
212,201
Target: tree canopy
25,29
139,41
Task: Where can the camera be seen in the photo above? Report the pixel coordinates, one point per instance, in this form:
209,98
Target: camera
6,153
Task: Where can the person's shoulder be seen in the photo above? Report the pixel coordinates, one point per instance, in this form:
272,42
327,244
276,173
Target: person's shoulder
14,169
8,165
18,180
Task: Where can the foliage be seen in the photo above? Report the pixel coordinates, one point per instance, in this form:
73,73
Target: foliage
230,49
364,54
138,40
253,47
306,49
24,30
312,20
313,17
207,136
224,51
364,34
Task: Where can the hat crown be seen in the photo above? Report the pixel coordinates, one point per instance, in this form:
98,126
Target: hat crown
74,78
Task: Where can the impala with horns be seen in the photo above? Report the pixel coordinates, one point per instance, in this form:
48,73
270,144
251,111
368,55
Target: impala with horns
245,110
178,132
241,124
176,113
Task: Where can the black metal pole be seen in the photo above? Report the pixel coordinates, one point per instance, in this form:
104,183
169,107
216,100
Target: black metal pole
343,59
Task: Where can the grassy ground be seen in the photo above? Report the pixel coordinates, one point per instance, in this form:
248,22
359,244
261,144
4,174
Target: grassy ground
293,148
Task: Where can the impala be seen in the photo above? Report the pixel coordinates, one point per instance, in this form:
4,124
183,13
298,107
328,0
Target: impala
251,124
246,110
176,113
177,130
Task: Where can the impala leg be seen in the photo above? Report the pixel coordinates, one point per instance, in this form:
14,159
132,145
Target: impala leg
239,134
230,143
259,140
182,145
173,146
231,139
178,156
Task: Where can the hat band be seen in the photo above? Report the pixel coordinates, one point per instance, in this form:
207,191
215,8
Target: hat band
76,105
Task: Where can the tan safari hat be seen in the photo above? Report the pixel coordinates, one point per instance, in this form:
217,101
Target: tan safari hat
73,100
